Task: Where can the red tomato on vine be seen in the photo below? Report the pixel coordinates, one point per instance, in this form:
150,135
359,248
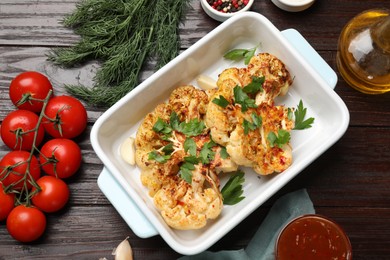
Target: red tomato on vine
13,169
17,130
60,157
53,194
66,117
7,203
28,89
26,224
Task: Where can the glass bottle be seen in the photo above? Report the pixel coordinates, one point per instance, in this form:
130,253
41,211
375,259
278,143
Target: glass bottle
363,55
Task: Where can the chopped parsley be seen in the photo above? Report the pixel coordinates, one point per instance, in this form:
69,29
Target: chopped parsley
186,171
282,138
223,153
255,86
238,54
192,128
257,121
300,114
158,157
240,97
221,101
232,191
190,146
207,154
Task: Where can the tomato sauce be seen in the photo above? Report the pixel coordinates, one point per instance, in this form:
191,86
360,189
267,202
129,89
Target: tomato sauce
313,237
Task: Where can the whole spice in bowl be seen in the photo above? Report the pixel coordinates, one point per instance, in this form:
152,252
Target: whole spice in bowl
221,10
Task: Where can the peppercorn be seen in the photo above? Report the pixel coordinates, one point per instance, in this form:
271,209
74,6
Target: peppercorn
228,6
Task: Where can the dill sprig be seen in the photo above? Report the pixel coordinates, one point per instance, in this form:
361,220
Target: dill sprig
122,35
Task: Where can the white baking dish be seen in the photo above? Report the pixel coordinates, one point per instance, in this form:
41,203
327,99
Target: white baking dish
245,30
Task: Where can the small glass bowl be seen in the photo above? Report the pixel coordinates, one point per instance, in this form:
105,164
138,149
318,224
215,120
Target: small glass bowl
312,236
221,16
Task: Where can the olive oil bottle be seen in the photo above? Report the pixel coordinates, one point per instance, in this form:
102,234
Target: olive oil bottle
363,55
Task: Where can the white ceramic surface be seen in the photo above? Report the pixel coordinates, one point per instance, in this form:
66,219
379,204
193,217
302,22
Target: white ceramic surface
206,57
220,16
293,5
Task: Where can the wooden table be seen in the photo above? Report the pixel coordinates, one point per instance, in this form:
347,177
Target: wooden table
349,183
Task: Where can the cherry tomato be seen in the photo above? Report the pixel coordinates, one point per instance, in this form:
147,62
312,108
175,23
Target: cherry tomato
26,224
28,86
60,157
7,203
13,168
53,196
17,130
68,117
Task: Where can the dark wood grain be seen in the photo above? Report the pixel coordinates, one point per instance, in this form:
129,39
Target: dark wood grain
349,183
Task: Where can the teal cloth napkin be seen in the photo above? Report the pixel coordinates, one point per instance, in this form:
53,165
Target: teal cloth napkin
261,246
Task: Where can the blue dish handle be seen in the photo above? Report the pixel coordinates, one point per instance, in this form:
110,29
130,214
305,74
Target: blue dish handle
126,207
311,56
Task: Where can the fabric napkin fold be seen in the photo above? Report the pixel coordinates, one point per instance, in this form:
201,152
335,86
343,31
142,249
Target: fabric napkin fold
262,245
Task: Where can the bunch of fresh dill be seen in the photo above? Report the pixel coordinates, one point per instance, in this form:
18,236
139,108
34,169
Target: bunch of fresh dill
122,35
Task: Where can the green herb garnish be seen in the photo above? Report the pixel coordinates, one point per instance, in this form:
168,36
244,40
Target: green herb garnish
207,154
123,36
221,101
193,128
240,97
238,54
162,127
300,114
232,191
186,171
223,153
158,157
256,122
190,146
255,86
282,138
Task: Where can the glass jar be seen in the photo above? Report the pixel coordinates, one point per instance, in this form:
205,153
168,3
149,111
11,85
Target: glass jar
363,55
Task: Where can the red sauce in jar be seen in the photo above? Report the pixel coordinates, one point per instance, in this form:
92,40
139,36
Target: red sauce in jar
313,237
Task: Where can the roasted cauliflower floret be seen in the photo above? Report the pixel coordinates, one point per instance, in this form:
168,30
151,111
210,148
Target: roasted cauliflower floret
189,102
188,206
277,78
254,149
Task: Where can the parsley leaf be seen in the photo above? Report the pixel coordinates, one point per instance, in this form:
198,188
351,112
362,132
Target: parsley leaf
161,158
207,154
174,120
221,101
193,128
255,86
191,159
162,127
232,191
257,121
223,153
248,126
240,97
279,140
300,114
186,171
168,149
190,146
238,54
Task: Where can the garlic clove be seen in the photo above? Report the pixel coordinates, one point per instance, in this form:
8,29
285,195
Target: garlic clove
123,251
127,150
206,82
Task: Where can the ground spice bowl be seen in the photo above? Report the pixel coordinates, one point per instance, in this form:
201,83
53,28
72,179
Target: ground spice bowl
312,236
219,15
